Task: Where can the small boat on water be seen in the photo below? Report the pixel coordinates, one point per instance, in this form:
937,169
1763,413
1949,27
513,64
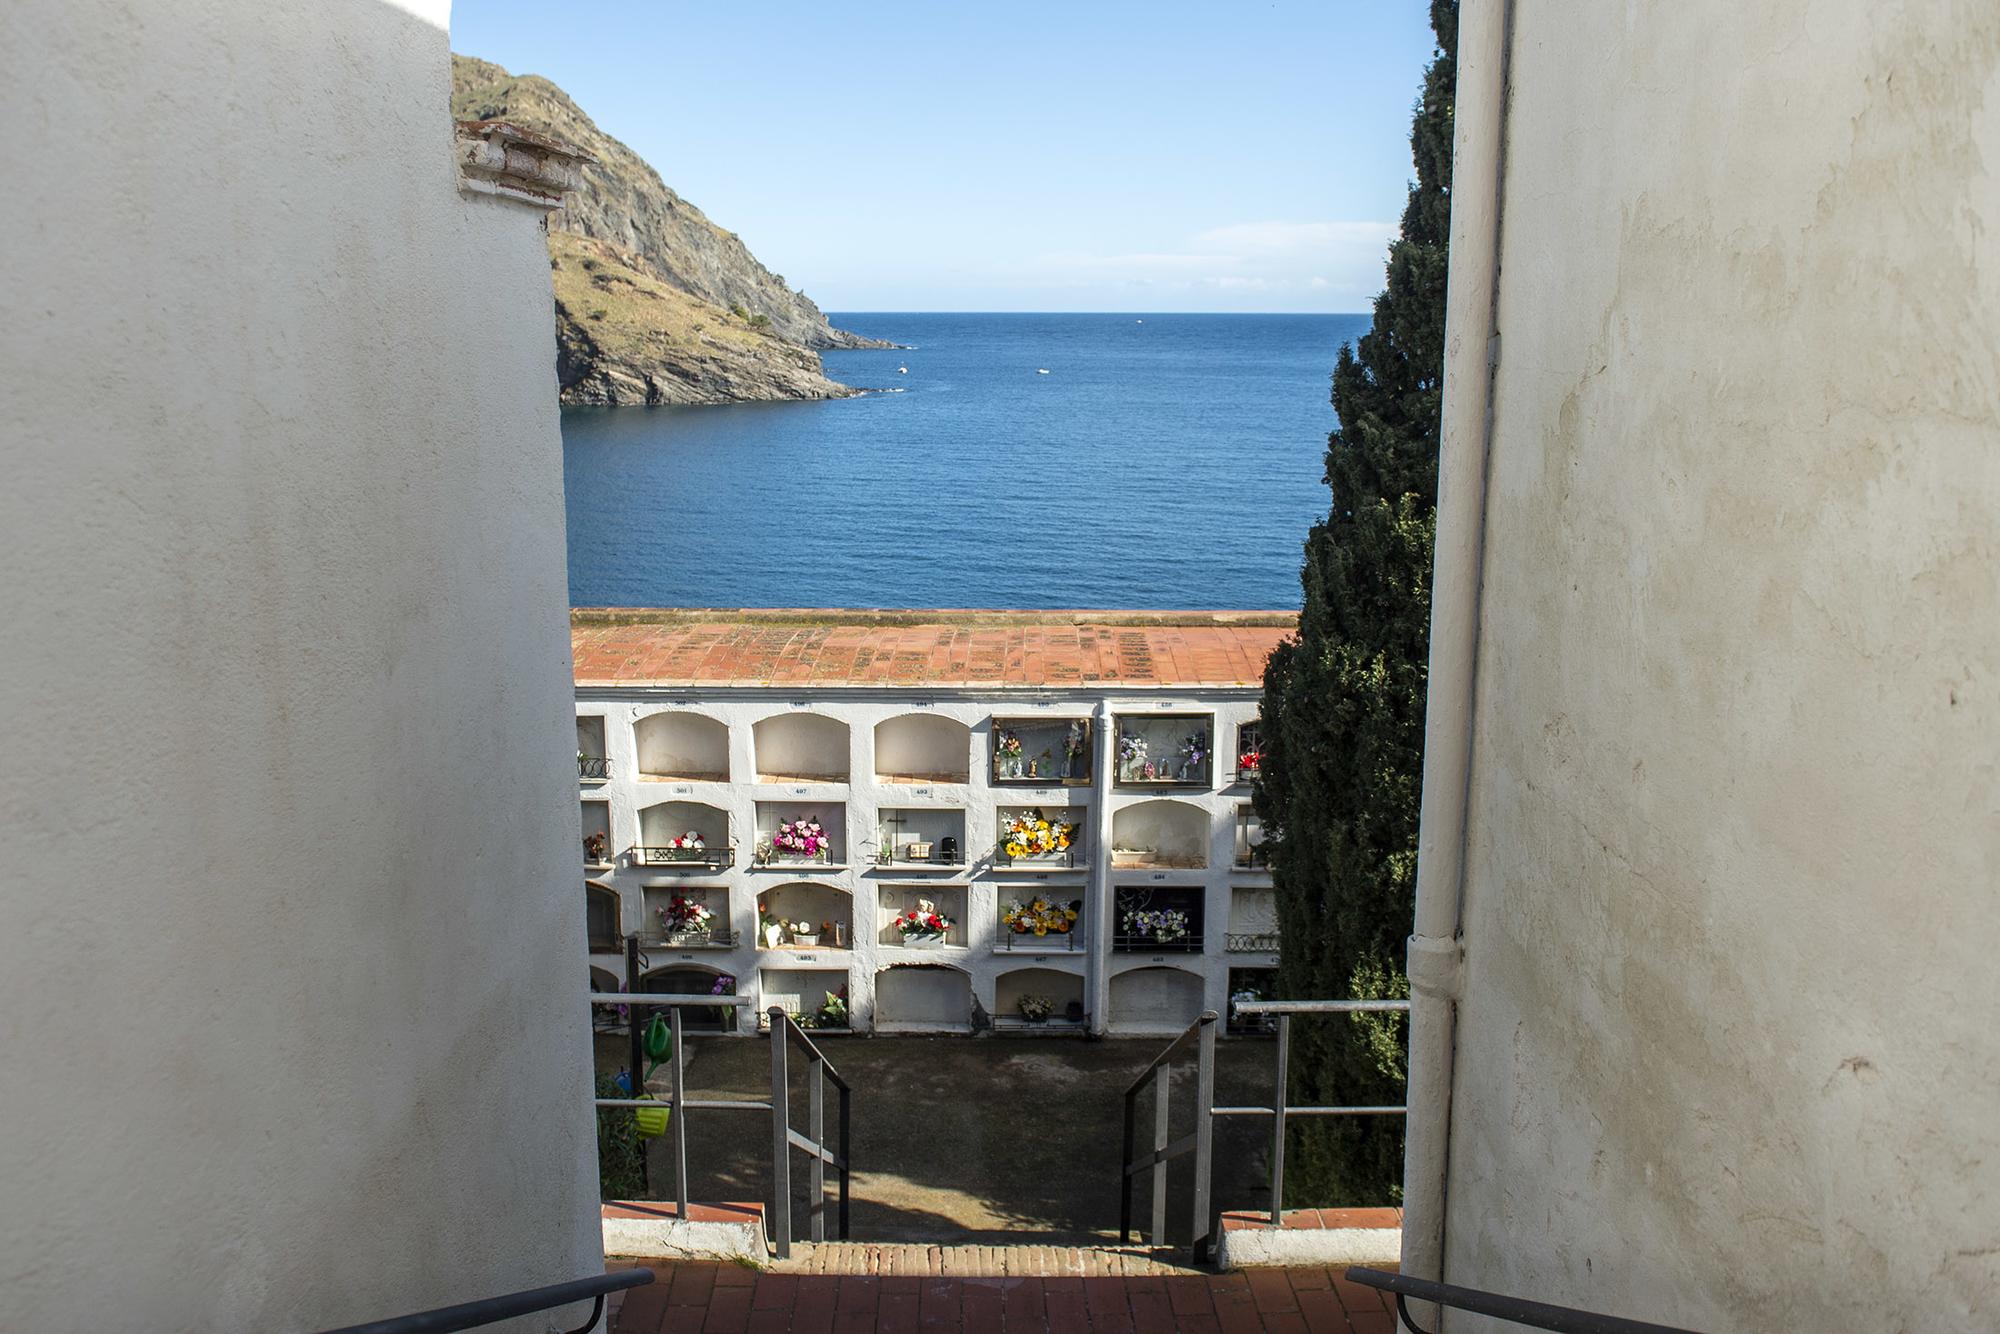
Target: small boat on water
902,370
1041,370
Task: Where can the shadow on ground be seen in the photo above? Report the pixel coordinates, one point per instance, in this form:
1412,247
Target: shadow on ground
971,1140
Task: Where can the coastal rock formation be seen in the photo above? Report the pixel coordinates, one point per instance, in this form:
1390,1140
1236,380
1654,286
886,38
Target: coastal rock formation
654,302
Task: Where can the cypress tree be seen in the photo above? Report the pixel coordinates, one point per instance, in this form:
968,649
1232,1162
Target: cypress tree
1344,699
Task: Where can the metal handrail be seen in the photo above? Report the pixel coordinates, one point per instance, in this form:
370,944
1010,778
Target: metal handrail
677,1102
785,1031
1282,1109
492,1310
1199,1142
1514,1310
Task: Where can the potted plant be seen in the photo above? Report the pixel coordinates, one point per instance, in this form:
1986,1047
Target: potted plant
595,845
687,921
1035,835
1036,1009
833,1010
804,934
922,927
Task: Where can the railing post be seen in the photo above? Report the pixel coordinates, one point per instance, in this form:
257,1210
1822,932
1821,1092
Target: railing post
781,1144
1162,1113
844,1160
637,1050
1125,1169
1204,1133
816,1129
1278,1123
679,1115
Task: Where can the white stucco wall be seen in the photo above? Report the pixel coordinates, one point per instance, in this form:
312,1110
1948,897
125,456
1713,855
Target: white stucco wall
1728,1055
975,893
295,1032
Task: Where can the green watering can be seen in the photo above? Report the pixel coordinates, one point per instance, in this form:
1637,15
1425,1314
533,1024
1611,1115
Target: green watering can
652,1121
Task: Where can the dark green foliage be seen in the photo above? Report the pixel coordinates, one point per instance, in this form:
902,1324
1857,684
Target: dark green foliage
620,1152
1344,701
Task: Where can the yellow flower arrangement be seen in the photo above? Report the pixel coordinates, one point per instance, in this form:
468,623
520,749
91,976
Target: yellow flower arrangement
1034,835
1041,917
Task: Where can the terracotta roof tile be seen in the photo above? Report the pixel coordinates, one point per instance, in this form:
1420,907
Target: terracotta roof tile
1019,650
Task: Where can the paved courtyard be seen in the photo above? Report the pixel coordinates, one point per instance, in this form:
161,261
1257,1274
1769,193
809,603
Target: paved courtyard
960,1140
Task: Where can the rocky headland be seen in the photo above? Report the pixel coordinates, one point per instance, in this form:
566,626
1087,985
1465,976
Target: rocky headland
654,302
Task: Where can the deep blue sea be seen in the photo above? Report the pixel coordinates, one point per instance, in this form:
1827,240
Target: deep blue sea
1164,461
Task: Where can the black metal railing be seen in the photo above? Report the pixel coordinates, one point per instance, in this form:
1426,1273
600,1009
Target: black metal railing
721,938
785,1033
1200,1141
1133,944
709,859
1008,941
492,1310
1253,858
938,856
1514,1310
1281,1106
593,766
1251,942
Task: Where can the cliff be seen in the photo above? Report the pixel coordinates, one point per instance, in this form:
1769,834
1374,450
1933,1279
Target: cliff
654,302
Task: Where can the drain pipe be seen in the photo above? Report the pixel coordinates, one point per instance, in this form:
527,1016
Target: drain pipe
1472,347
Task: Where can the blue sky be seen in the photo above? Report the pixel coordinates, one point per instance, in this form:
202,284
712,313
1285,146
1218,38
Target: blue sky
1164,156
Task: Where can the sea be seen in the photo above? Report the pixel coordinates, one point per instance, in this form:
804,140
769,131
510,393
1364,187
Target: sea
1138,461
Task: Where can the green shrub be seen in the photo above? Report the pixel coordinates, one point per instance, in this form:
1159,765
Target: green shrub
621,1172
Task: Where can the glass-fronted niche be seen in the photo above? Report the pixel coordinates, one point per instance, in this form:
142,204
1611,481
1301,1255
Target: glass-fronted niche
1042,751
1166,749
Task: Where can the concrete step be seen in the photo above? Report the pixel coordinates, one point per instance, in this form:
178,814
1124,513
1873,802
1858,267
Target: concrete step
889,1259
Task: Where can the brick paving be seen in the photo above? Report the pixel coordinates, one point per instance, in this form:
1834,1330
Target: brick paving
736,1299
932,648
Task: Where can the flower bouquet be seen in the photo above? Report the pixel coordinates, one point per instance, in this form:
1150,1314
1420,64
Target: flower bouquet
1006,754
1041,917
802,839
1132,761
595,845
1250,763
804,933
923,926
686,921
689,847
1163,926
1194,754
1035,835
1036,1009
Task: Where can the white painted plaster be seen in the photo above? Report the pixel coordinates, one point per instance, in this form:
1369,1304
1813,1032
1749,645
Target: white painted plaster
867,892
1727,1056
1308,1247
295,1032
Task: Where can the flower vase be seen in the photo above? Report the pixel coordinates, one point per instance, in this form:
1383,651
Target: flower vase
806,941
923,941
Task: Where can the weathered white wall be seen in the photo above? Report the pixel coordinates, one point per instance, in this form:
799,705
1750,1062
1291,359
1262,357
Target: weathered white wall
853,809
1728,1054
295,1031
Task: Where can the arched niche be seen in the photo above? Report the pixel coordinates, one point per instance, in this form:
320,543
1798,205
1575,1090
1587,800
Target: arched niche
923,748
800,747
682,745
1154,1000
1161,833
923,997
605,928
693,979
1063,990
